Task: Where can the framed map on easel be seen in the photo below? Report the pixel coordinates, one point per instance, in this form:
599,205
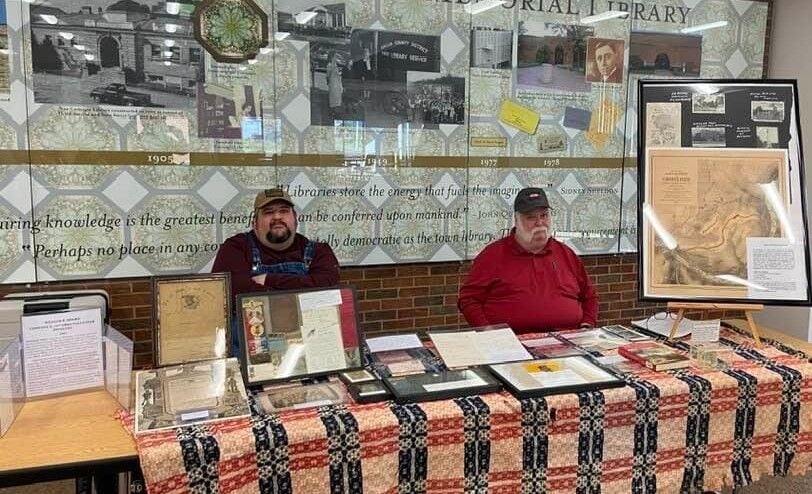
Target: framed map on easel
721,199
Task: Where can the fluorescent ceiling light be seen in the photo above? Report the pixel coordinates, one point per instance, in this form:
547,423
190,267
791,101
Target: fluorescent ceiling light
169,42
281,35
88,56
730,278
665,236
67,36
604,16
167,62
50,19
703,27
304,17
252,61
172,8
707,89
479,7
265,50
79,47
168,53
171,28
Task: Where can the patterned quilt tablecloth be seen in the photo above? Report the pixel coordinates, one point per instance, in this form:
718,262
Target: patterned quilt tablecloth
669,432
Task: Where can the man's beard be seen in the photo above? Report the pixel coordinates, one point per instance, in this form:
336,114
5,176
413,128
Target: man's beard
275,238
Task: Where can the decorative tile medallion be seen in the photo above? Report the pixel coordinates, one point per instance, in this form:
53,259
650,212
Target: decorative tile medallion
231,30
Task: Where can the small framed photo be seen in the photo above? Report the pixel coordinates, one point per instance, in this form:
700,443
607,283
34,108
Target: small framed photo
192,318
357,376
543,377
297,334
627,334
188,394
298,396
442,385
369,392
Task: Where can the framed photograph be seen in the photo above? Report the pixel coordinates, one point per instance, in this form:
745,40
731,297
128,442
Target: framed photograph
357,376
554,376
192,318
442,385
188,394
298,334
626,333
404,362
369,392
298,396
722,209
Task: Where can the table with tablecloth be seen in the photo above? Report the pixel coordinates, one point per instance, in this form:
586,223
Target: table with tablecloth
669,432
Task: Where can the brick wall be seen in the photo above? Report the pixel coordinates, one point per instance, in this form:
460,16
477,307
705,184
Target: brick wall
403,298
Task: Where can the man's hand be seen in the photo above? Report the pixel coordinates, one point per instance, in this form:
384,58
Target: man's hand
259,279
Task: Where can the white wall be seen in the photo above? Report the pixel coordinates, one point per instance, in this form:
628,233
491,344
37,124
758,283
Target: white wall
790,57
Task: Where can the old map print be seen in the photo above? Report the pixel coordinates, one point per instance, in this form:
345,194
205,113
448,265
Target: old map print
708,203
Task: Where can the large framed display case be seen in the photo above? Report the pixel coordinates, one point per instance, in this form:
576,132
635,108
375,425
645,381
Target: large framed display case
721,195
297,334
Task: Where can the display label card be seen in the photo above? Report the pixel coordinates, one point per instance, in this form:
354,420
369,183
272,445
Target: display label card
319,299
775,269
705,331
518,116
393,342
63,351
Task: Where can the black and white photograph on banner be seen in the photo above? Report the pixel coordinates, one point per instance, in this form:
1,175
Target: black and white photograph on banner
435,99
708,103
767,137
552,56
665,54
5,69
229,112
310,20
491,48
708,137
366,78
767,111
121,53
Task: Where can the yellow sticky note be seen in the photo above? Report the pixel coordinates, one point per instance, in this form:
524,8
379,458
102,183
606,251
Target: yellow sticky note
518,116
547,366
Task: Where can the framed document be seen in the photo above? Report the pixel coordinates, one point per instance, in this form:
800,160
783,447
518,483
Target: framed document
442,385
297,396
189,394
369,392
192,316
298,334
554,376
721,193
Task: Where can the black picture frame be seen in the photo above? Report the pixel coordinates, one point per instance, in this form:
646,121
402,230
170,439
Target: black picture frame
350,334
510,382
362,392
444,385
789,139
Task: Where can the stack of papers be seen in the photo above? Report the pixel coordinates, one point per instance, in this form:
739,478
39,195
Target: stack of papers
468,348
661,323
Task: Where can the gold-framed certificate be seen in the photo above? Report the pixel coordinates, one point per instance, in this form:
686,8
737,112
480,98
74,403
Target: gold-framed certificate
192,315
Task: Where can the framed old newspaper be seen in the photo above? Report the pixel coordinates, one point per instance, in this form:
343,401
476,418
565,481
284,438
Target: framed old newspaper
192,315
721,193
297,334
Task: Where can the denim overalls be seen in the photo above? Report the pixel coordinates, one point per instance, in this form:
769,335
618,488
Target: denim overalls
290,267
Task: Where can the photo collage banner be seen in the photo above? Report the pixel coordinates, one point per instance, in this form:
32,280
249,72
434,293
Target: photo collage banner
135,133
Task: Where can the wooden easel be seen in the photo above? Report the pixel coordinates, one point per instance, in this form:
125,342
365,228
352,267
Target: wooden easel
681,307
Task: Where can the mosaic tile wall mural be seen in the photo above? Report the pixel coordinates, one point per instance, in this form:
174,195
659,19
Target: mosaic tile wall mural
403,129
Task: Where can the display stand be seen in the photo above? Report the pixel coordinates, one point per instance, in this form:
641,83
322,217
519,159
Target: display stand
748,309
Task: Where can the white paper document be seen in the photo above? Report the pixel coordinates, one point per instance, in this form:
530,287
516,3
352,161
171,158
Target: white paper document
321,336
63,351
321,298
775,269
393,342
463,383
468,348
566,377
705,331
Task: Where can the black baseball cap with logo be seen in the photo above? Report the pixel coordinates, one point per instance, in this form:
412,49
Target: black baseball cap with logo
529,199
268,196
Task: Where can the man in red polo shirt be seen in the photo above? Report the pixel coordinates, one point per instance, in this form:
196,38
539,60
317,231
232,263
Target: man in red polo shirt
528,279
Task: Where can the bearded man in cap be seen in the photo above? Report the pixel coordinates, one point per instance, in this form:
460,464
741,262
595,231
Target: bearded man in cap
529,280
